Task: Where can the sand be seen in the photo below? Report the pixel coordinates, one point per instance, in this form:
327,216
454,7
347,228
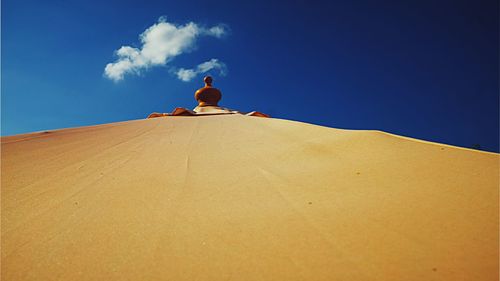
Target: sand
244,198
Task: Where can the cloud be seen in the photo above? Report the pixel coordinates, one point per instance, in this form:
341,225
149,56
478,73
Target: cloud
187,75
161,43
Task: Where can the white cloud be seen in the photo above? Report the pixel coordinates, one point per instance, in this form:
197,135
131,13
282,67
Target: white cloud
160,43
187,75
217,31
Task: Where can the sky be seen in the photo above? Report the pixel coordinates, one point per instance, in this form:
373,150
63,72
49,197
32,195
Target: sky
423,69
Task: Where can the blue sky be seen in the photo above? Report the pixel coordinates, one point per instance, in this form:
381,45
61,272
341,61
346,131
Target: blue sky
423,69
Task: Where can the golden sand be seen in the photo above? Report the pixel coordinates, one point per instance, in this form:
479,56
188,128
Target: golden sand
243,198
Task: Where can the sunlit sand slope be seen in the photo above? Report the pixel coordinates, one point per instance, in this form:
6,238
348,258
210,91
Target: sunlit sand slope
244,198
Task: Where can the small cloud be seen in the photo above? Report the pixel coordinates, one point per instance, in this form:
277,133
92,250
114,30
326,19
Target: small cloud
187,75
217,31
161,43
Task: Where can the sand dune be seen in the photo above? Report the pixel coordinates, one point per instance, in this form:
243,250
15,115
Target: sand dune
244,198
